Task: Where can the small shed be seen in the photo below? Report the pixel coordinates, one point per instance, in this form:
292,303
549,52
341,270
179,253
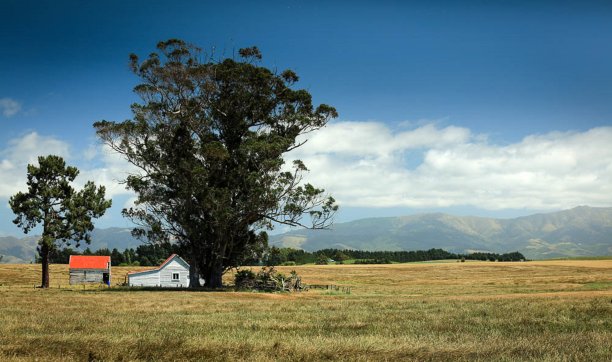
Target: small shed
172,273
90,269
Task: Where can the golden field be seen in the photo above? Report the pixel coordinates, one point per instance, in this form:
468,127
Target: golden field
545,310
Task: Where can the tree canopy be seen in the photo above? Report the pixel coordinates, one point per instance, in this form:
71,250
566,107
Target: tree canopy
65,214
208,139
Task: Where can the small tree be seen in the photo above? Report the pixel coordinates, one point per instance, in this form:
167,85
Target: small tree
322,259
116,257
340,257
65,214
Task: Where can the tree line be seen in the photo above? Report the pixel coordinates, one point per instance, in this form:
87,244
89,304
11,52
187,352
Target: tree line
279,256
153,255
143,255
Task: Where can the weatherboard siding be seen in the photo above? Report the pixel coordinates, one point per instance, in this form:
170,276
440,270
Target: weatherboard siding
162,277
144,279
174,267
82,276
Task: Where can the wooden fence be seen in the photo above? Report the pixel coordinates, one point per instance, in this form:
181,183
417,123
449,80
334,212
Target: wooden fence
330,287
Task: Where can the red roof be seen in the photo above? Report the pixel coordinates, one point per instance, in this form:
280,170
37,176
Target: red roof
167,261
89,262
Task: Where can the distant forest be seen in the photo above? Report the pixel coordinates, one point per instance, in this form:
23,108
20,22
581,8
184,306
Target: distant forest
153,255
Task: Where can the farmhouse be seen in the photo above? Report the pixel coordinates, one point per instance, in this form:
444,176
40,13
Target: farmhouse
172,273
90,269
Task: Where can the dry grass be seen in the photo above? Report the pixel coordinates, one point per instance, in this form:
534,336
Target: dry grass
555,311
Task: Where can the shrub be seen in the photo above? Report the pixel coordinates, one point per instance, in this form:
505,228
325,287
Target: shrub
244,278
288,263
268,279
322,259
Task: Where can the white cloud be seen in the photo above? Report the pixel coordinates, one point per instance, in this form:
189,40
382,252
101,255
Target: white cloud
111,173
367,164
9,106
20,152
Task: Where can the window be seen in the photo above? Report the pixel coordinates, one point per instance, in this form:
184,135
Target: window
175,276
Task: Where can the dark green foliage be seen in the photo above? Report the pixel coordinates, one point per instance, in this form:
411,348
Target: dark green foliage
244,277
322,259
65,214
209,138
116,257
103,252
340,256
57,255
282,255
129,255
275,257
267,279
372,261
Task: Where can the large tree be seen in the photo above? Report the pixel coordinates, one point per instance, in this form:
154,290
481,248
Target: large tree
66,214
208,139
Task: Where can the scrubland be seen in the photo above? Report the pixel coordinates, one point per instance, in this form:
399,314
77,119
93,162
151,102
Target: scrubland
548,310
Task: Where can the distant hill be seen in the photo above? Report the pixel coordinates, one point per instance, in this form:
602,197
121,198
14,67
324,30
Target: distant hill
23,250
581,231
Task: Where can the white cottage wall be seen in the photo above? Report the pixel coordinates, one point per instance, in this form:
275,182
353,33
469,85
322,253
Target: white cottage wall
171,268
163,277
144,279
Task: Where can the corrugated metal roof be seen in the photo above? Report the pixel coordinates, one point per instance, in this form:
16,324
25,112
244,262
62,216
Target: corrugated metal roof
89,262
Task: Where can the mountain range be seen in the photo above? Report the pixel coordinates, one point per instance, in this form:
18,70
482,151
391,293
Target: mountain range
581,231
23,250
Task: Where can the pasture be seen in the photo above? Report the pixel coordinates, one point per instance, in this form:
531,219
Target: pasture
545,310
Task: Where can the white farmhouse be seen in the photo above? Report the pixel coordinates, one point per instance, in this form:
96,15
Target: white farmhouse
172,273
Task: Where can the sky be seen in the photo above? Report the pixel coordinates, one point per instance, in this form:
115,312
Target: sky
485,108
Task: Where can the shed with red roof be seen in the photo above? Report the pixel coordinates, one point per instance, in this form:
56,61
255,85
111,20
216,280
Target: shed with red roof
173,273
90,269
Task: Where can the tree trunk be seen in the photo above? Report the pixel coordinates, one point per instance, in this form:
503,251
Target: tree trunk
194,275
44,257
214,276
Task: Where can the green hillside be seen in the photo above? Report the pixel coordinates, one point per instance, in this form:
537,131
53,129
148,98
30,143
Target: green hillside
582,231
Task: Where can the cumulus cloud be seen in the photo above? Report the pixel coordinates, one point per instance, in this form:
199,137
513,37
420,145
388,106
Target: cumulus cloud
111,173
367,164
110,168
9,106
21,152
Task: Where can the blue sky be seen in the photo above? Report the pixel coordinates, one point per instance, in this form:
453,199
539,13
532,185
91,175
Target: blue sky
469,107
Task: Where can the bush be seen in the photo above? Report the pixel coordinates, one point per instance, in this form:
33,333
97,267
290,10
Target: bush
244,277
322,259
288,263
268,279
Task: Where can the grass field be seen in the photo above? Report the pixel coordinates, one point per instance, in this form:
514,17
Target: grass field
550,310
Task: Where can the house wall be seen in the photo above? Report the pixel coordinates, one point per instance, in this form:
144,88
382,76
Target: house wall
162,277
174,267
145,279
84,276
